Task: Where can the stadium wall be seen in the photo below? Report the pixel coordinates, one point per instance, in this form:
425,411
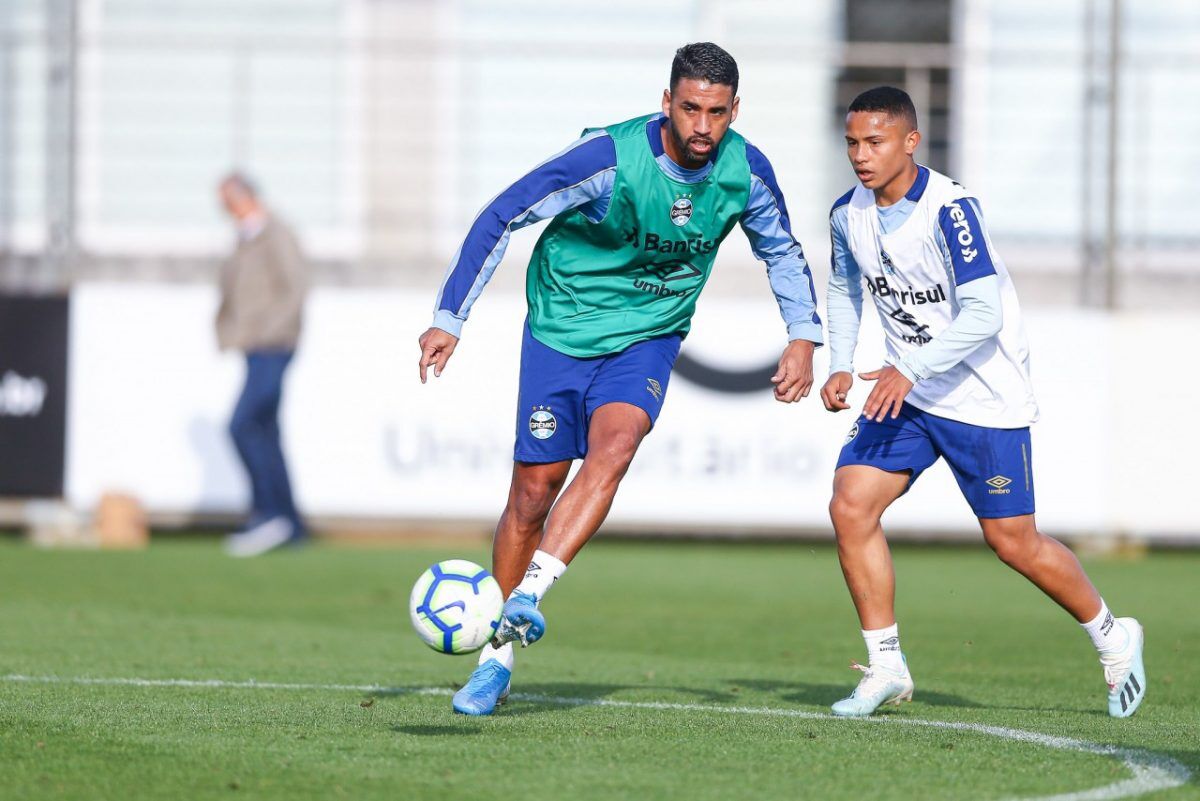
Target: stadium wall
150,397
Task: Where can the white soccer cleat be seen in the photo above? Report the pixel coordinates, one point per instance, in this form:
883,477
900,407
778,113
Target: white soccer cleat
876,688
1125,673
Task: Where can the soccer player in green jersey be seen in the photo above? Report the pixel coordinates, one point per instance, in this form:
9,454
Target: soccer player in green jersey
638,211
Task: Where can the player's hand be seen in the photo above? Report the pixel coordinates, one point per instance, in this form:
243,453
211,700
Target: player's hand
436,347
834,393
888,395
794,378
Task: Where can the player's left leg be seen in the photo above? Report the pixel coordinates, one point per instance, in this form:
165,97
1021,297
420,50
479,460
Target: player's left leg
1045,561
621,405
615,433
993,468
1053,569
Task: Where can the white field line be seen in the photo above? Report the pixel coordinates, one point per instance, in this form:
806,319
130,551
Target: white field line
1151,771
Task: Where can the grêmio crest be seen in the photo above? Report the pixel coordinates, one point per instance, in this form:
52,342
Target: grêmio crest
681,210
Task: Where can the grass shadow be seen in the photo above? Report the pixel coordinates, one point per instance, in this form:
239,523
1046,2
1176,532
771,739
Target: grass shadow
822,695
434,731
545,697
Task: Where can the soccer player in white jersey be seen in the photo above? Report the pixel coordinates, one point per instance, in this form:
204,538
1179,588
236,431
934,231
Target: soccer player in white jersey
955,386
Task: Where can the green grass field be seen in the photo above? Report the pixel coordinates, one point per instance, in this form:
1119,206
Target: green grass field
715,665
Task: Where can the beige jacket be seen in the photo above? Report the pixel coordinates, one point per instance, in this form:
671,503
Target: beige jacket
263,286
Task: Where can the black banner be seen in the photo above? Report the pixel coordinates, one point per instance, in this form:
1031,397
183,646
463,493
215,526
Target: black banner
33,394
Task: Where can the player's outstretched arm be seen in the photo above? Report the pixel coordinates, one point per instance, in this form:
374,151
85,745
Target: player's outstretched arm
794,378
835,391
436,348
582,174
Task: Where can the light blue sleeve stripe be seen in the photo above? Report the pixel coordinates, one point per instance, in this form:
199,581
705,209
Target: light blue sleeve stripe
843,298
570,179
787,269
980,317
597,190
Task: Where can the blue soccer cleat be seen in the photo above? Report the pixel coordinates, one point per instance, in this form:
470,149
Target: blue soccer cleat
520,620
487,687
876,688
1125,673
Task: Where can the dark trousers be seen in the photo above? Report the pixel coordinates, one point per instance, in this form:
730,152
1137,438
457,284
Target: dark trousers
255,432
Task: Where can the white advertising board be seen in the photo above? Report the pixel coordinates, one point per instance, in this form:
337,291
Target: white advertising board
150,398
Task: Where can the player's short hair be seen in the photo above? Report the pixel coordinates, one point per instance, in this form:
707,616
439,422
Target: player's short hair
888,99
704,61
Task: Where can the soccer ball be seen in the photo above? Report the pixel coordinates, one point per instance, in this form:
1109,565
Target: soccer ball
455,606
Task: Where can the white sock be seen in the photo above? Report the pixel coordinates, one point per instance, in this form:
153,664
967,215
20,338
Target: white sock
503,654
883,648
1107,634
542,572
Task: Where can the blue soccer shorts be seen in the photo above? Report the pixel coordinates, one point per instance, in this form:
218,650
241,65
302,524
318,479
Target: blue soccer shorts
559,393
992,465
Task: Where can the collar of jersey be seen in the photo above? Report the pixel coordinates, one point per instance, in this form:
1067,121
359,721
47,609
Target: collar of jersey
893,216
918,188
664,162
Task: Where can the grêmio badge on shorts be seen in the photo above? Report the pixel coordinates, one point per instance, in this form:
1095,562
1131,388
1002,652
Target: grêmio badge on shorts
542,423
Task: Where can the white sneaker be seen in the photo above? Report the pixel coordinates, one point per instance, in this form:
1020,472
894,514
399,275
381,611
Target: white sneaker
1125,673
262,538
876,688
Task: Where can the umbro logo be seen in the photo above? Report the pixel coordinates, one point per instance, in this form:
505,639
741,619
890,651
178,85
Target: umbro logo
890,644
655,389
999,485
673,270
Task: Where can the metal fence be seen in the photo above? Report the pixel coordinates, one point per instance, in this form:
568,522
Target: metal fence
379,128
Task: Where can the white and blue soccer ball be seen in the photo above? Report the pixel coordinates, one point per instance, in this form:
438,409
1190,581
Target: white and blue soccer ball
455,606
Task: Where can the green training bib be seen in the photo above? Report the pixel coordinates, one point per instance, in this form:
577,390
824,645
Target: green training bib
597,288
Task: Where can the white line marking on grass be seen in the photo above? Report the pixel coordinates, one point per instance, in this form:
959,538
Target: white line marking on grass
1151,771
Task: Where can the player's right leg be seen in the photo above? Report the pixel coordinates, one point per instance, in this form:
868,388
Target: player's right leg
551,433
532,492
877,465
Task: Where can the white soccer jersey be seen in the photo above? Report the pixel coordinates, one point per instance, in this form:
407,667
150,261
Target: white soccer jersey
912,273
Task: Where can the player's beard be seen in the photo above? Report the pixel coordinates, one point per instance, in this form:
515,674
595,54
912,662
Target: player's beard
694,160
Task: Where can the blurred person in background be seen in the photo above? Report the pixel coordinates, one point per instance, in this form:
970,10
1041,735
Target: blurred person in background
956,386
638,211
263,286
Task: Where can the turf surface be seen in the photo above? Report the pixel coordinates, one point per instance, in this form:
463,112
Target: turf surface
767,627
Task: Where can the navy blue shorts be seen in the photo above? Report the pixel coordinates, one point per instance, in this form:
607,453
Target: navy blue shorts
992,465
559,393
